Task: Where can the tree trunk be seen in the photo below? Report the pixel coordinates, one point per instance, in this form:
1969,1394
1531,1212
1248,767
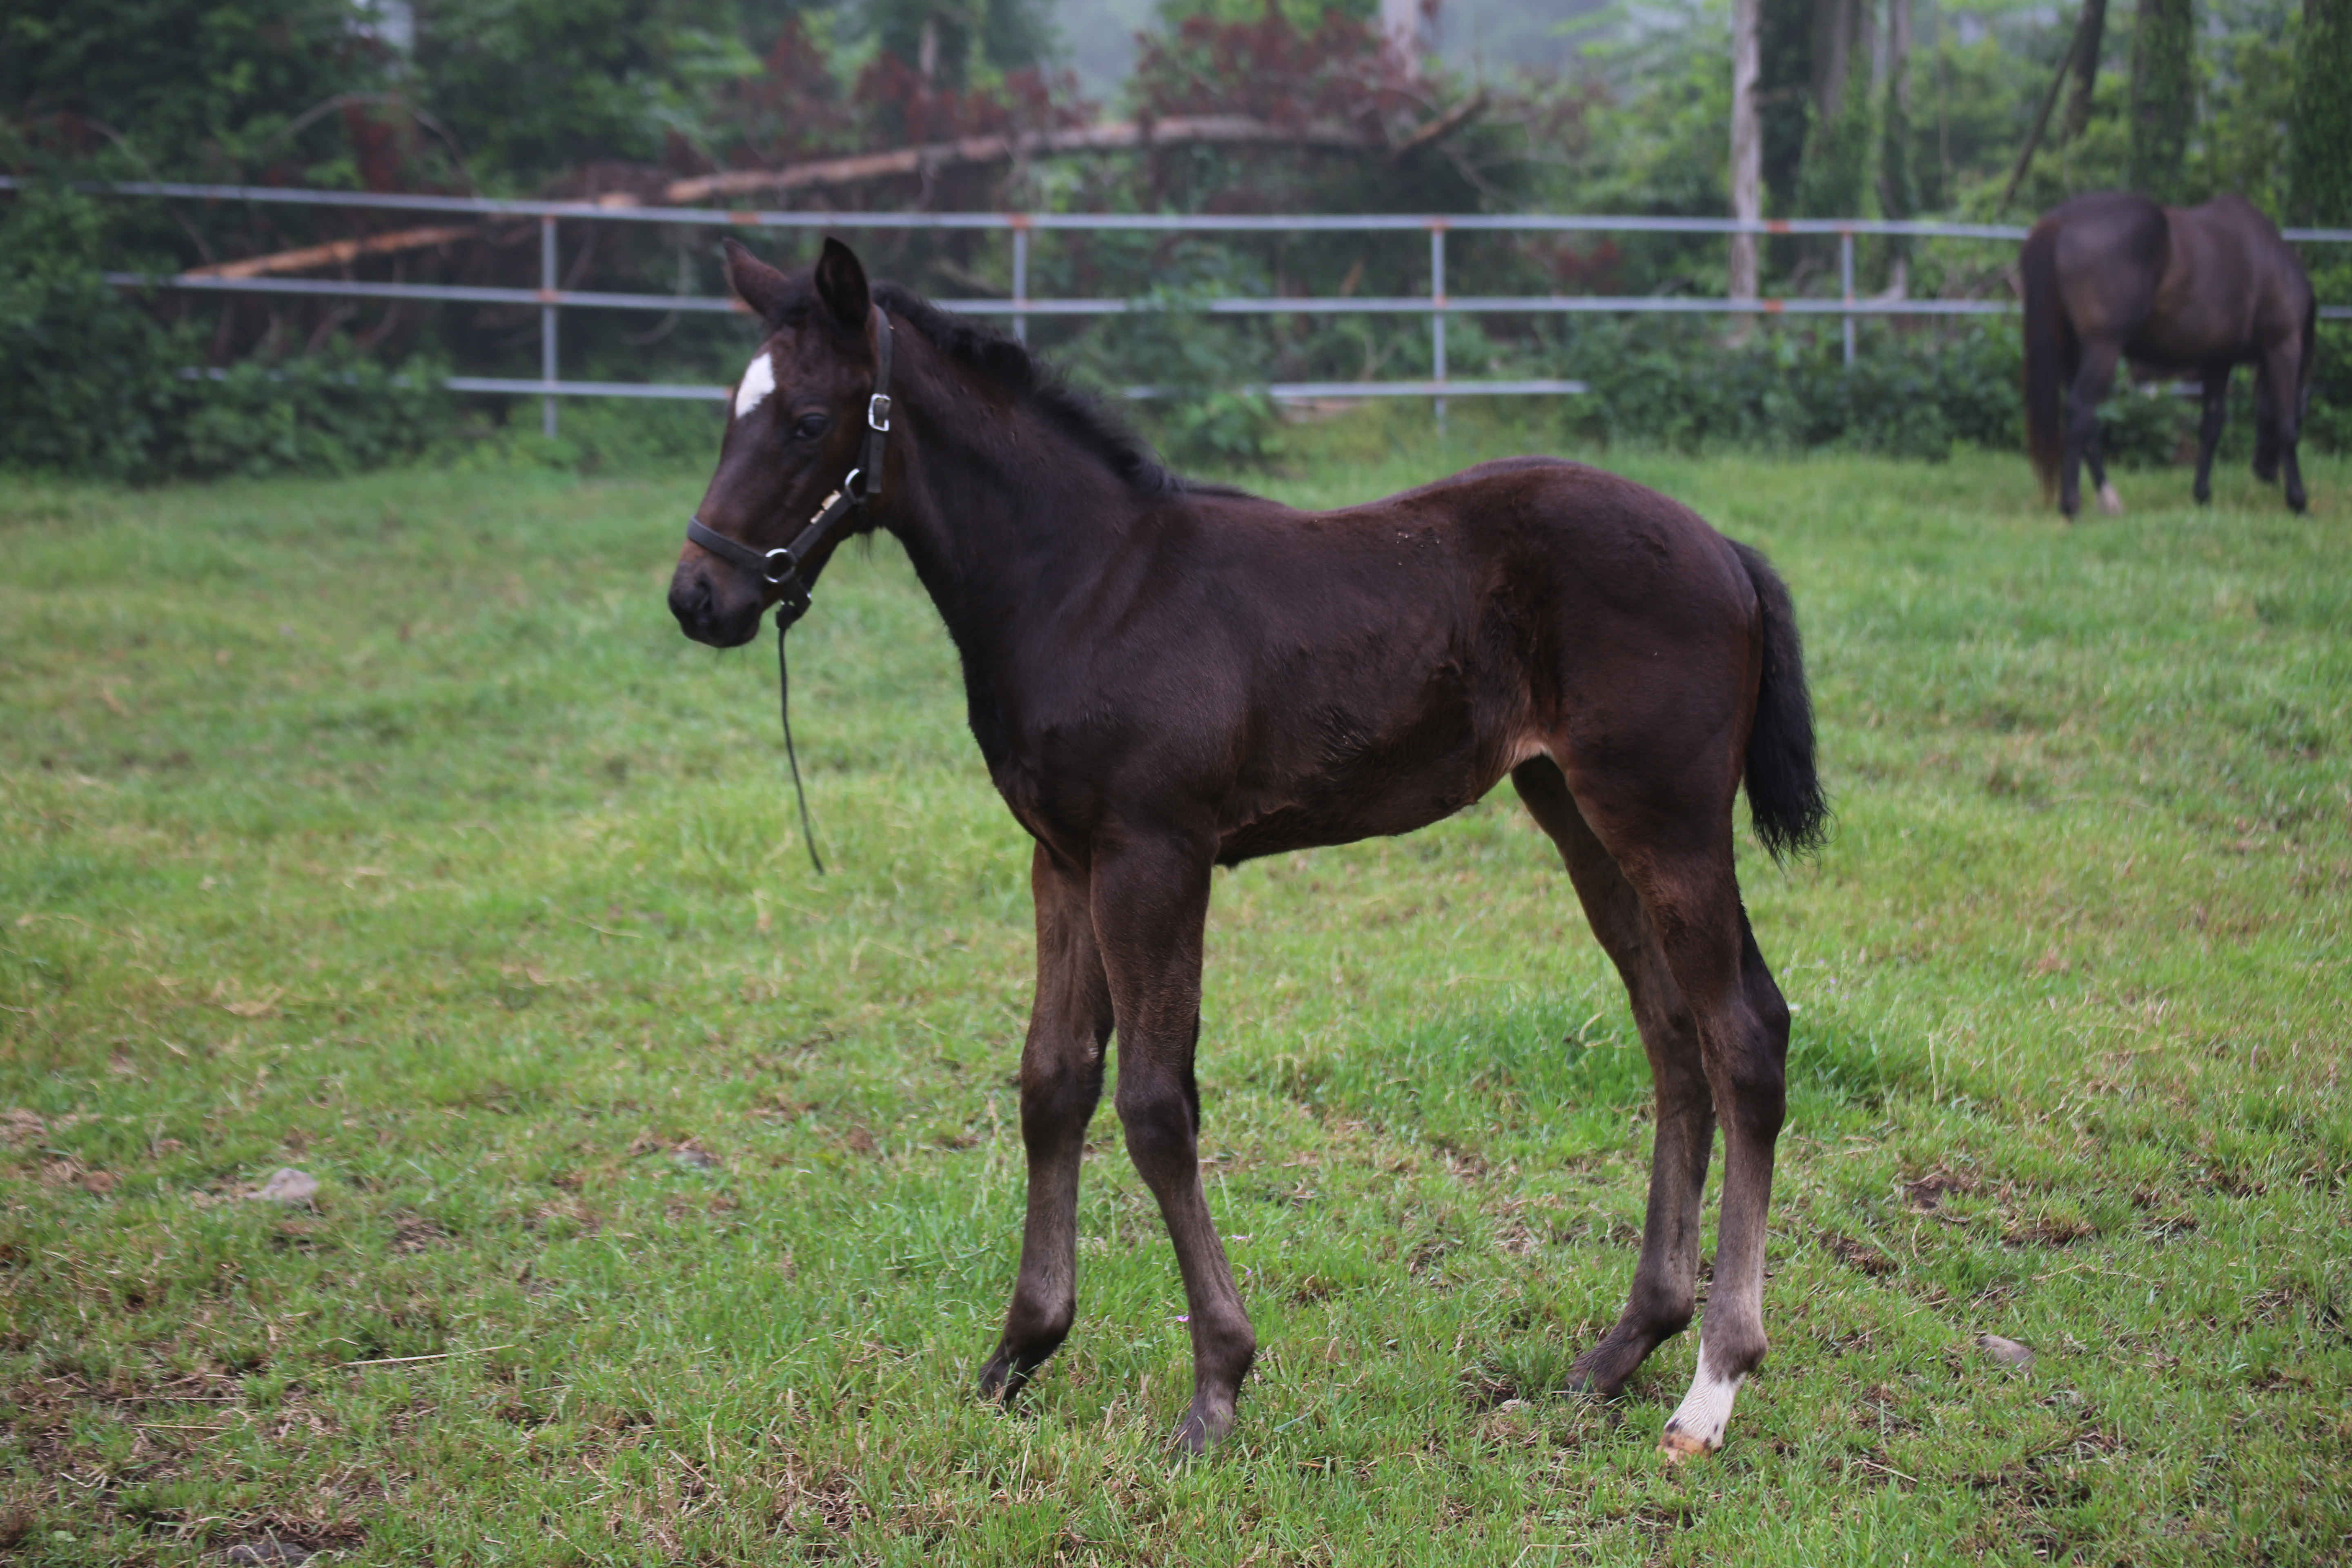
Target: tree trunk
1747,142
1896,197
2090,33
2163,97
1833,32
2319,166
1784,69
1837,160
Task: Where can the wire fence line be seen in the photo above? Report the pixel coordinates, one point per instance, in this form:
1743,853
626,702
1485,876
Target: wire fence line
1020,306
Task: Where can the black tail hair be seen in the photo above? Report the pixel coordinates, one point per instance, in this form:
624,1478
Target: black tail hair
1784,789
2046,354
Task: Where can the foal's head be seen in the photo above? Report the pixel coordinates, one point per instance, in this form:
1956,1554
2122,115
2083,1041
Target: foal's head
793,429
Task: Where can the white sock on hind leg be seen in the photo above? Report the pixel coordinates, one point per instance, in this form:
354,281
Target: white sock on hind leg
1697,1426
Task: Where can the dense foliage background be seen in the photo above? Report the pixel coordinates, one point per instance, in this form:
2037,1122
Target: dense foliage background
1871,107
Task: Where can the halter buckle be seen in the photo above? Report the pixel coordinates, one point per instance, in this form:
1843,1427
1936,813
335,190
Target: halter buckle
877,413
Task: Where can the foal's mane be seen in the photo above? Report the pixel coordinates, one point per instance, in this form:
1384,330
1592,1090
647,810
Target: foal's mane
1008,365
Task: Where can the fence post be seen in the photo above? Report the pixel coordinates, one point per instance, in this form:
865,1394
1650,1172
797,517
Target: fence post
1846,286
1020,222
547,323
1437,312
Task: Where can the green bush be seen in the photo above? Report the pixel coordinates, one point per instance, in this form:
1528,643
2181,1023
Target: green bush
85,385
91,385
333,412
1209,407
1680,385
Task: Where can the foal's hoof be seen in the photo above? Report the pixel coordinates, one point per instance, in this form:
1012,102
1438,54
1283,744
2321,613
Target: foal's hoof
2110,502
1680,1448
1003,1379
1203,1427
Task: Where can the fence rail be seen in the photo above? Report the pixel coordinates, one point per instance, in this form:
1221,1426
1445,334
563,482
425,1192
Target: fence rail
1020,305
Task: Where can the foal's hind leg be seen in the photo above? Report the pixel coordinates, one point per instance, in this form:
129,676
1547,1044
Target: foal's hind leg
1672,841
1747,1055
1665,1280
1061,1081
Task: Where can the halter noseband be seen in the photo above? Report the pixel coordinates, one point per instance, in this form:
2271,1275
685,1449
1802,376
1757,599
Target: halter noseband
781,568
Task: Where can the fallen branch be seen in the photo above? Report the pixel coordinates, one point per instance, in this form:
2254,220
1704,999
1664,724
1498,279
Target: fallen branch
1121,135
933,157
336,253
1444,125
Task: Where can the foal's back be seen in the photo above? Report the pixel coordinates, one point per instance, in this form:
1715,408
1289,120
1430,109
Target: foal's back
1371,670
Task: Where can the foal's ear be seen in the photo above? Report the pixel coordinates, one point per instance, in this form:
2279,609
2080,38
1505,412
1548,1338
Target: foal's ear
841,284
755,282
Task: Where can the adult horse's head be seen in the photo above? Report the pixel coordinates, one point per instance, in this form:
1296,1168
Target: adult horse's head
795,426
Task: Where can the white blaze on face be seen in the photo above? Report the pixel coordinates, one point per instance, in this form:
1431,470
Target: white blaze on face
758,380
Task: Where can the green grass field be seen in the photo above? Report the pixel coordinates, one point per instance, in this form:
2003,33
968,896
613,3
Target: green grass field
387,829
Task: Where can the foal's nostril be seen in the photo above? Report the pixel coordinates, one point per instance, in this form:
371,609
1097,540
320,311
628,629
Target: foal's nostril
689,601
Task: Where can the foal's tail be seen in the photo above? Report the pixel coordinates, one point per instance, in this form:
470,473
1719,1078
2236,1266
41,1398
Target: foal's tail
2046,354
1784,790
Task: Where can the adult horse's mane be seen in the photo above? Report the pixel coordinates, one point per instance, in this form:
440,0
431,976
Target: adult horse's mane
1007,364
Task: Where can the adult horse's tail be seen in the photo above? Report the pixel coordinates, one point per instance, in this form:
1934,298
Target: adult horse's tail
1784,789
2046,354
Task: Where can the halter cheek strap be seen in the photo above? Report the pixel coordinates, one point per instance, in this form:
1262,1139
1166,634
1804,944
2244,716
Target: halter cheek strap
781,568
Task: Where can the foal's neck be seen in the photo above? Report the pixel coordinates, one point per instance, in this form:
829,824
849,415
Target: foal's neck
1008,518
1003,512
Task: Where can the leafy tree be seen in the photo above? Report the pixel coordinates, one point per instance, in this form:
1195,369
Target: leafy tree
943,40
193,88
532,86
2320,160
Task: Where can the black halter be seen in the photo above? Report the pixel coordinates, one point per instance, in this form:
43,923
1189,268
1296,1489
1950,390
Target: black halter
781,568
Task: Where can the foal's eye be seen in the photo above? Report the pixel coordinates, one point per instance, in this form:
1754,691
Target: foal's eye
810,427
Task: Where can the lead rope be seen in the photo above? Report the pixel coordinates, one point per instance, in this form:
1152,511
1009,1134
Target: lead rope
864,483
784,712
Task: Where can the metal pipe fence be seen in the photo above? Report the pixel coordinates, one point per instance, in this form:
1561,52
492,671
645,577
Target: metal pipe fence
1020,306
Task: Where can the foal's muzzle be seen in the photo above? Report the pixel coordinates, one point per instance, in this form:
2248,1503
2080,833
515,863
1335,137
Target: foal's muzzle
712,609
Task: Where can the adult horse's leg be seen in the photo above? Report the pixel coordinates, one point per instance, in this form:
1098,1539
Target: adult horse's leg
2096,375
2208,429
1061,1081
1151,897
2265,431
1666,1281
2282,375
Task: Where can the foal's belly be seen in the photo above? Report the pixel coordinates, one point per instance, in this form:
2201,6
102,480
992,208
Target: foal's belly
1384,796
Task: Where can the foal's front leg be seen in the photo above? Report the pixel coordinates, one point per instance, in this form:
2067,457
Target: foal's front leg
1150,899
1061,1081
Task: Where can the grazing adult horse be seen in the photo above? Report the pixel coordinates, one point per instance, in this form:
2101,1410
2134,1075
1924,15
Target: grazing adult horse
1165,678
2180,291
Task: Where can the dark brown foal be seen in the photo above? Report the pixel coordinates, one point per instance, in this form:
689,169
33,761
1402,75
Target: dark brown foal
1164,678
